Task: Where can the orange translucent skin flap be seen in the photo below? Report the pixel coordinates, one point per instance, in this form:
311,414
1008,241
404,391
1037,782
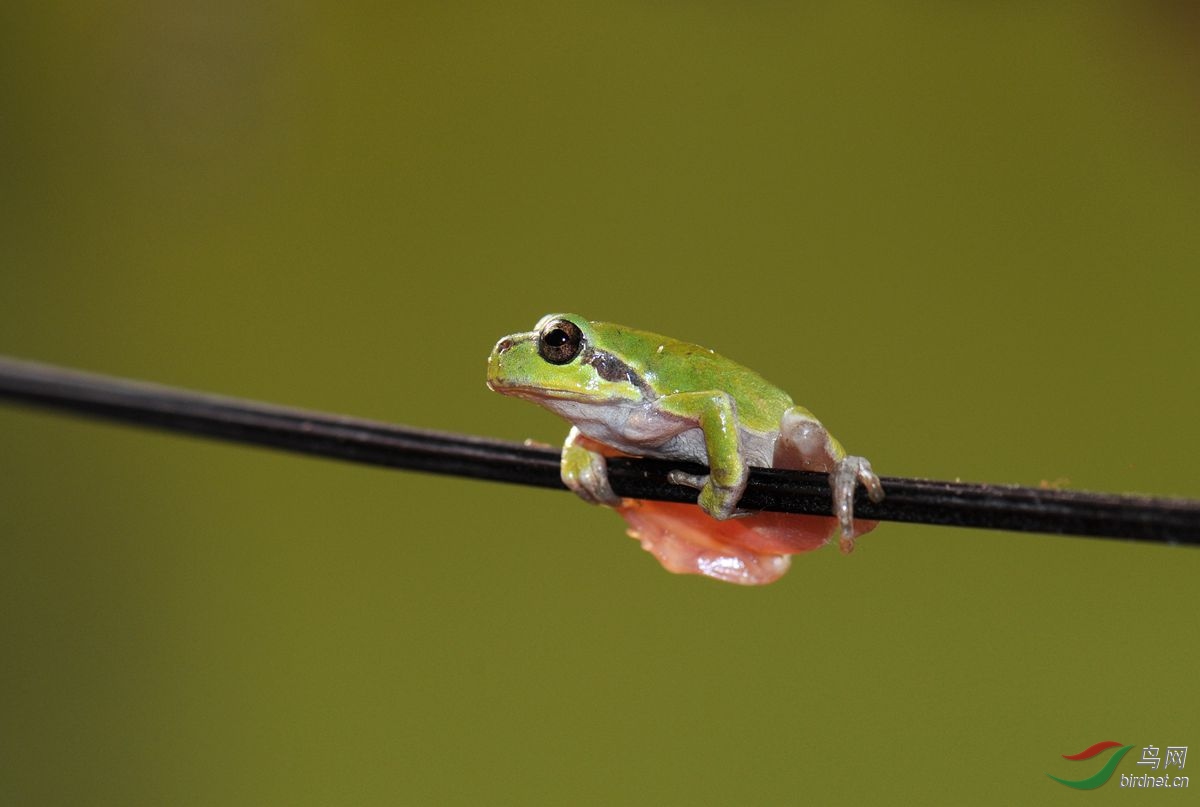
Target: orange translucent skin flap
752,550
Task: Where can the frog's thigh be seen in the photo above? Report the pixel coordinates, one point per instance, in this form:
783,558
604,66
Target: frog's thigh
804,444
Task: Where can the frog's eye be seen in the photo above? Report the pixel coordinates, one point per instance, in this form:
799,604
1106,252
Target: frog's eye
560,341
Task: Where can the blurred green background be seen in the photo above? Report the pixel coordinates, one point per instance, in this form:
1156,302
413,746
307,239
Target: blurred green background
965,237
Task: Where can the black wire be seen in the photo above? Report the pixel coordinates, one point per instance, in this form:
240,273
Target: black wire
1002,507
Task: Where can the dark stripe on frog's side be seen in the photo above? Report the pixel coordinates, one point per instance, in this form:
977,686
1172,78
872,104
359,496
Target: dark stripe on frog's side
610,368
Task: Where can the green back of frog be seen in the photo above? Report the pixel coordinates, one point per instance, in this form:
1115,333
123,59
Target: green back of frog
670,366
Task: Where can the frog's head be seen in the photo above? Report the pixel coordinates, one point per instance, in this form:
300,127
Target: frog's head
563,359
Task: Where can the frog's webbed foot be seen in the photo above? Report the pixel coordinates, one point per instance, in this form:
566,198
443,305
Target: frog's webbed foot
843,479
719,501
585,471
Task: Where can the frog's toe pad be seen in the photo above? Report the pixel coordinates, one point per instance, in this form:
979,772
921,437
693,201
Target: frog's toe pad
697,481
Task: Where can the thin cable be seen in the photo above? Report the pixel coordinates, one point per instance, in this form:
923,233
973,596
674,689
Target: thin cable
999,507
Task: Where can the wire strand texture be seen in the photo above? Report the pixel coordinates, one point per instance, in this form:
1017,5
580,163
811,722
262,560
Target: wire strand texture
998,507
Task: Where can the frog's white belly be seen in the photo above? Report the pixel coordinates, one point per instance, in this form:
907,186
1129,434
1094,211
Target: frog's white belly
643,430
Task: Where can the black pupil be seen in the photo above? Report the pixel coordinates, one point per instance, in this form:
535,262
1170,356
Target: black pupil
556,337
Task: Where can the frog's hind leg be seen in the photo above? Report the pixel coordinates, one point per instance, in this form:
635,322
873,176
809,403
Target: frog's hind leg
805,445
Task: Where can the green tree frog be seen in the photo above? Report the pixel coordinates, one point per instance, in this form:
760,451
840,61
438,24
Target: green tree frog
638,393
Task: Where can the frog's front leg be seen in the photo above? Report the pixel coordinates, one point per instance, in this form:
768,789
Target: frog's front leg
585,471
804,444
715,413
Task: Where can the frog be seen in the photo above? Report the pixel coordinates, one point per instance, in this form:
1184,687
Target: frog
631,392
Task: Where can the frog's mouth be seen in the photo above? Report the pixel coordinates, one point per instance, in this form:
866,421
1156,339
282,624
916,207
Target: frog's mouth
536,394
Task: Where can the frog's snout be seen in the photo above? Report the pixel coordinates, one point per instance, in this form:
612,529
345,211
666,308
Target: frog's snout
493,363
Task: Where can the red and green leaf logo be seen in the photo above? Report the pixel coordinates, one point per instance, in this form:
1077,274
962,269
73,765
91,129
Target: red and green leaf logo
1101,776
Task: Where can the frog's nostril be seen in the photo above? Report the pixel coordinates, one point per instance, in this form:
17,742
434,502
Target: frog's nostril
503,345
